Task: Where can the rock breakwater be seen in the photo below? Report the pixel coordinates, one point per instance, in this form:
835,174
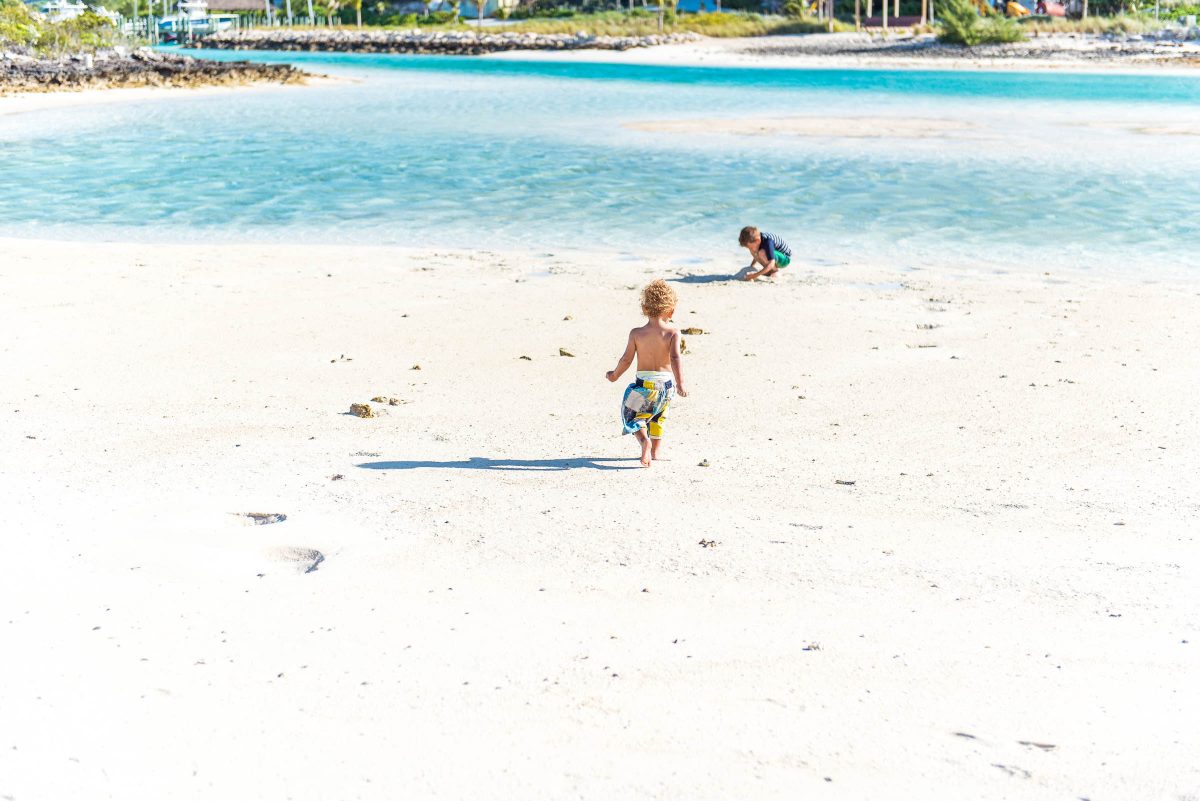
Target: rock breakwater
121,68
457,43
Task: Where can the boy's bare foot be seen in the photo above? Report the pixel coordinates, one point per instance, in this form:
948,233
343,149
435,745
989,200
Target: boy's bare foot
656,449
644,441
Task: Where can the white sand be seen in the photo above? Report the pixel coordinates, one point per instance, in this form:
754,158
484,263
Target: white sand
24,102
1059,53
509,609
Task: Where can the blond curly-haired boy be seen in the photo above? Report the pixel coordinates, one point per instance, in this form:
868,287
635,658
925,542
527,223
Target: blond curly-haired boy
659,371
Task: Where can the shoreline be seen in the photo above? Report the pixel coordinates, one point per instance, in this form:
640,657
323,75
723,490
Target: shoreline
118,68
771,52
900,529
714,266
712,52
22,102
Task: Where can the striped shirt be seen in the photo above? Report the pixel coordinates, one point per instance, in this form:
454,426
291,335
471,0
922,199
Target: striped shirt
771,243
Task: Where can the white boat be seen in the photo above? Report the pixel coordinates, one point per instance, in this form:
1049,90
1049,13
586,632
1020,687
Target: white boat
59,10
193,19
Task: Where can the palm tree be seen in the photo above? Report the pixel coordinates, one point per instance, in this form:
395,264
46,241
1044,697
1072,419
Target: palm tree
428,5
455,6
358,11
662,4
479,4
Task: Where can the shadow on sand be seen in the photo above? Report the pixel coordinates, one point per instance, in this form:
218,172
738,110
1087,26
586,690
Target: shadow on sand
704,279
483,463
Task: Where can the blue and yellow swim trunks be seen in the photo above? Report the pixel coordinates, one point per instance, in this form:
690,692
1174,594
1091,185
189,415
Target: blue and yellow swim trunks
646,401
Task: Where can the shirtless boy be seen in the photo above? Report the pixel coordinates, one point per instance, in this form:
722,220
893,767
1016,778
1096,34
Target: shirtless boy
659,370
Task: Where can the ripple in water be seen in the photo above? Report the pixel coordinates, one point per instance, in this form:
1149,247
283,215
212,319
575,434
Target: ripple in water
1020,171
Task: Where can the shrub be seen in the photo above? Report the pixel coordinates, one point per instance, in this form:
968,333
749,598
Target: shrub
959,23
88,31
1181,10
17,27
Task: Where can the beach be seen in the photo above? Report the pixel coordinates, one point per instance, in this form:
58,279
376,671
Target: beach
905,49
922,533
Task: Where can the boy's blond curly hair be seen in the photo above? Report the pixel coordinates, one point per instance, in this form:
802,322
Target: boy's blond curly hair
658,298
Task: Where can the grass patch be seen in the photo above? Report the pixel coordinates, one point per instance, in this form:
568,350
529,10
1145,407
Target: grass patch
645,23
1124,23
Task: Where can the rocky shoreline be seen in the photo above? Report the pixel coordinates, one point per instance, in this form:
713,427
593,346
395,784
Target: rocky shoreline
456,43
121,68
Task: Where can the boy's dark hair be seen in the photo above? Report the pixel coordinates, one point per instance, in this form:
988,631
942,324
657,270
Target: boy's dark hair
748,235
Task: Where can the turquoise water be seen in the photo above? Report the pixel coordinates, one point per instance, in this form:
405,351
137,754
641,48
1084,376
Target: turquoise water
1010,171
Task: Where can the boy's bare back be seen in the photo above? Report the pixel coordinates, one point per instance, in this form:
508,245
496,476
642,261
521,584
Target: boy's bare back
657,346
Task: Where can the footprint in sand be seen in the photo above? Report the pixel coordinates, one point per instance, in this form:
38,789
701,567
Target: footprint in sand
305,560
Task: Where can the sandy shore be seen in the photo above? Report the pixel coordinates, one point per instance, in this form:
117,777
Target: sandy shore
899,51
22,102
499,604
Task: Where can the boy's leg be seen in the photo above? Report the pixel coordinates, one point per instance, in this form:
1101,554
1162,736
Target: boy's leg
644,441
760,261
781,261
656,449
655,429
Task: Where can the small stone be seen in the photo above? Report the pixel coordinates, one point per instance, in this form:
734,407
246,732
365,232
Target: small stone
379,399
415,367
361,410
336,477
394,401
565,352
568,317
692,331
703,463
526,358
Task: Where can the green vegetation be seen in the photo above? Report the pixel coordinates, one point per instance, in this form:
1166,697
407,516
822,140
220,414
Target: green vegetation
960,23
1178,11
21,29
1125,23
17,26
642,23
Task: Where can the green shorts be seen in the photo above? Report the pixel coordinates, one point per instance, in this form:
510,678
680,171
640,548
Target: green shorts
782,259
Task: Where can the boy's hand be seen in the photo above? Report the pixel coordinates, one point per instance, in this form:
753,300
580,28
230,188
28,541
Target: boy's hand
611,375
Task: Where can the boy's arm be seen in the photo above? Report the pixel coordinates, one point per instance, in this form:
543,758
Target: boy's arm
677,364
625,361
759,258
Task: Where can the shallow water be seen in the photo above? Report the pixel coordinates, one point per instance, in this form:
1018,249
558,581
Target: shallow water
1025,171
